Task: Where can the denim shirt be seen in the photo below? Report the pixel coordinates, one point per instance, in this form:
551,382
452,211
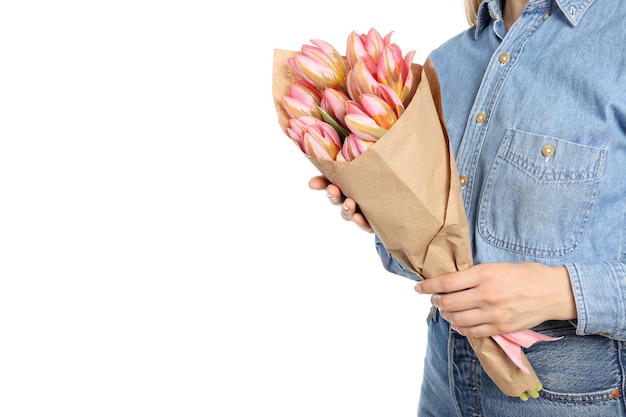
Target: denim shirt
537,124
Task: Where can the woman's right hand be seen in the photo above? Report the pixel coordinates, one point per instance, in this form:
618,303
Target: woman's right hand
349,208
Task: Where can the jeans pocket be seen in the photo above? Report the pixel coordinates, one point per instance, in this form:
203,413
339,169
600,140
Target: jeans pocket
577,369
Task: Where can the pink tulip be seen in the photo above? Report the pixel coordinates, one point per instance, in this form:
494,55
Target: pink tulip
379,110
390,97
512,343
315,137
302,100
359,45
361,81
334,104
371,119
364,127
352,107
395,71
321,65
353,146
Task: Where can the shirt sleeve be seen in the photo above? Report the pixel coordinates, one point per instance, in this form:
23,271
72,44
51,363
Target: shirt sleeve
392,264
600,294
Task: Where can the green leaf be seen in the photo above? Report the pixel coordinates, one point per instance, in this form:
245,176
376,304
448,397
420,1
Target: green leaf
343,132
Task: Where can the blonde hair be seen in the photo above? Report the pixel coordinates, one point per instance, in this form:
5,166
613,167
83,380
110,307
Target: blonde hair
471,10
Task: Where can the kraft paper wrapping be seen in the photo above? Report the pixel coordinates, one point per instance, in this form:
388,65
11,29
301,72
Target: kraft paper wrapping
407,187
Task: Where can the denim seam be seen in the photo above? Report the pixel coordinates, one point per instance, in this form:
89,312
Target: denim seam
451,374
620,345
622,243
579,299
596,397
475,384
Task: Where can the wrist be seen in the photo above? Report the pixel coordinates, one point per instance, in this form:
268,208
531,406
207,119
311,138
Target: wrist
563,305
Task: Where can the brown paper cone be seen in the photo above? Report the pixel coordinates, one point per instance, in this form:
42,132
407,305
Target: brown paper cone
407,187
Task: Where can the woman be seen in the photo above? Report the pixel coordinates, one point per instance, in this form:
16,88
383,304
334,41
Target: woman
534,98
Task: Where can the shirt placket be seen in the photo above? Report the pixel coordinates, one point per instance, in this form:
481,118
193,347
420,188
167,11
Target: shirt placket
493,84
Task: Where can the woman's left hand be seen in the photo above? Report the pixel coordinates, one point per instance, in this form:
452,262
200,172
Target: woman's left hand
496,298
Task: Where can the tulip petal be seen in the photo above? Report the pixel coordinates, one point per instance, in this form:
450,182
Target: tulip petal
389,70
316,72
512,343
352,107
354,146
355,48
315,137
364,127
512,350
305,91
378,109
390,96
361,81
395,71
527,338
333,102
334,57
296,108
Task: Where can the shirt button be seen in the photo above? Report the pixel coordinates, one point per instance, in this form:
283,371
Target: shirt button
481,117
504,58
463,180
548,150
546,16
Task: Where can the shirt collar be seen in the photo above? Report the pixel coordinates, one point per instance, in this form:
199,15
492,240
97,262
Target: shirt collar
489,10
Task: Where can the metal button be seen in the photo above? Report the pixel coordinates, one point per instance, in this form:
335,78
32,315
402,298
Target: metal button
616,393
548,151
504,58
481,117
463,180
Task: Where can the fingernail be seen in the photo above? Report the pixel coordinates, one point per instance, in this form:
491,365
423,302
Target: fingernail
343,206
418,288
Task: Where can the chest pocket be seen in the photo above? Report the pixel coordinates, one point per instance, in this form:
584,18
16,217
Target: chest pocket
539,194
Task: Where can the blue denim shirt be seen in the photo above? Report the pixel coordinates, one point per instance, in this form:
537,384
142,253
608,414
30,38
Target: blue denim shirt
537,123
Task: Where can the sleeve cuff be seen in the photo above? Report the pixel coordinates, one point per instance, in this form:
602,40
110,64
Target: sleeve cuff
392,264
599,292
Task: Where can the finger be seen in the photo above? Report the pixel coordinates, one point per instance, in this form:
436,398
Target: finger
348,209
334,195
349,205
318,182
464,319
443,284
346,214
356,216
481,330
453,302
363,224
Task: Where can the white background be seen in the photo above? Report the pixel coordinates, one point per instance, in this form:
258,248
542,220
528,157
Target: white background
160,251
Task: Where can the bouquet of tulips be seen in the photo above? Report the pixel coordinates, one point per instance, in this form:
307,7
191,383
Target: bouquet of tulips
340,107
371,122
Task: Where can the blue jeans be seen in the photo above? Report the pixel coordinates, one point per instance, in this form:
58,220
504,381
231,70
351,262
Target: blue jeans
583,376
